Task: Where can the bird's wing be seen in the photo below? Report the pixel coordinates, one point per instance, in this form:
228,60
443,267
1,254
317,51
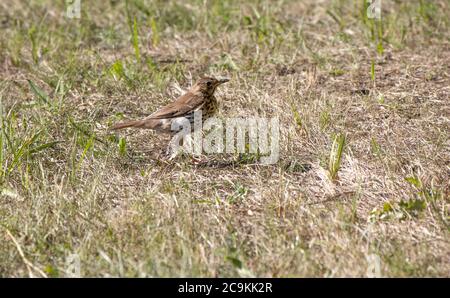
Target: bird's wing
183,106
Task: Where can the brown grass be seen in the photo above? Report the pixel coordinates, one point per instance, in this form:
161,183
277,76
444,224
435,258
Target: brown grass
141,215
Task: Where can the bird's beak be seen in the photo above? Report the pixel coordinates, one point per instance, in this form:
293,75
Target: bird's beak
223,80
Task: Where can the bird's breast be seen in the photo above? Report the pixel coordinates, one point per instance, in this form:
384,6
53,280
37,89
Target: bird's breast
210,107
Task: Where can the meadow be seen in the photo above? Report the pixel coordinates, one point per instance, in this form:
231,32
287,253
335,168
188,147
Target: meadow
361,187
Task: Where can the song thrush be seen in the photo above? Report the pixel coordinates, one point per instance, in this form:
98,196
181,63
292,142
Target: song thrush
199,98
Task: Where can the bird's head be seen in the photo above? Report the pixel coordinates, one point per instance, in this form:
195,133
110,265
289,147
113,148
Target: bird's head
207,85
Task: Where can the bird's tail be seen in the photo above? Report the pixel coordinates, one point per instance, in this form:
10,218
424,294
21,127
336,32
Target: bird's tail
135,124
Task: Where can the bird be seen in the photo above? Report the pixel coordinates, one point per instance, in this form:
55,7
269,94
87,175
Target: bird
200,97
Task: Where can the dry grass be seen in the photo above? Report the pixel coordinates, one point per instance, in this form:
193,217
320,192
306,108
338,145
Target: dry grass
65,188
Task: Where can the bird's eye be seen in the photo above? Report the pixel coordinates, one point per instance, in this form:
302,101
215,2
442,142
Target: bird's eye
209,84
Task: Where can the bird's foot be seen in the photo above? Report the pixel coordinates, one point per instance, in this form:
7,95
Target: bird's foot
198,160
171,154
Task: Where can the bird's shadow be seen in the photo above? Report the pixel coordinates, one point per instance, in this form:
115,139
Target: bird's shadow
158,156
291,166
219,164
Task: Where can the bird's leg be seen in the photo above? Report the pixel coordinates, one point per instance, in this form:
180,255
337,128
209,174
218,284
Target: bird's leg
174,149
171,154
198,159
177,145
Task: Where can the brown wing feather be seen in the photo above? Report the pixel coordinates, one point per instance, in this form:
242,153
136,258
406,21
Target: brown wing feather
179,108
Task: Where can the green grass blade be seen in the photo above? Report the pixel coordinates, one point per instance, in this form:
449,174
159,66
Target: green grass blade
39,92
22,151
155,32
122,146
43,147
336,156
136,40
